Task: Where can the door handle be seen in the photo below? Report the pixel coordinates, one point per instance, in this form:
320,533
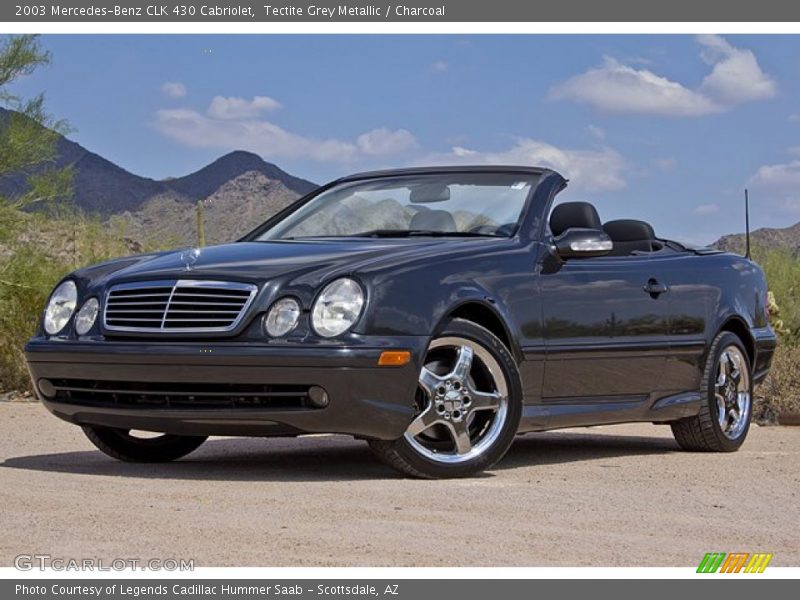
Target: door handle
655,288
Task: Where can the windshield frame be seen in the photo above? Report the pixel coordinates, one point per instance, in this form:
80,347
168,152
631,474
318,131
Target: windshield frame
532,175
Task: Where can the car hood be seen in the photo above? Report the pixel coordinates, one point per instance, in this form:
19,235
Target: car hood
260,261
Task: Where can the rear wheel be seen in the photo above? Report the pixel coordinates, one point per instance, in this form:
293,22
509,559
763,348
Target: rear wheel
724,418
469,403
124,444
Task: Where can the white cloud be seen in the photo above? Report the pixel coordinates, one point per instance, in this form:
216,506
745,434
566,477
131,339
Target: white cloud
199,131
240,108
706,209
778,175
735,76
439,66
795,118
776,188
616,87
173,89
236,126
590,170
382,141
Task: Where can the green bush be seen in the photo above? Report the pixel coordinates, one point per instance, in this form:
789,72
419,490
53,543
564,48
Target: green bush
782,268
780,392
36,250
26,279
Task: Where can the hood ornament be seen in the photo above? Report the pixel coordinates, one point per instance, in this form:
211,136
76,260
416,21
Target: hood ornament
189,257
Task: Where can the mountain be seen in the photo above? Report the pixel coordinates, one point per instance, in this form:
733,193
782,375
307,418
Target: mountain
787,237
101,187
235,208
201,184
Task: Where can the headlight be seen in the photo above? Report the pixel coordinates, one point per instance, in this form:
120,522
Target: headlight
282,317
337,308
86,316
60,307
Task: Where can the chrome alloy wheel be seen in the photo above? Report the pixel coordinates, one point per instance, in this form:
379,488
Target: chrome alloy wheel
732,392
462,402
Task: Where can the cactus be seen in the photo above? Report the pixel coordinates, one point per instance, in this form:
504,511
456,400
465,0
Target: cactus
201,226
775,316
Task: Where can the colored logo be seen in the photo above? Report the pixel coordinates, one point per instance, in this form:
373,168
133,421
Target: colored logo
736,562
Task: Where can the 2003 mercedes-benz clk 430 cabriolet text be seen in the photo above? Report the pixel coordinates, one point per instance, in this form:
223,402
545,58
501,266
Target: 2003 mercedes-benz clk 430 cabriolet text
435,313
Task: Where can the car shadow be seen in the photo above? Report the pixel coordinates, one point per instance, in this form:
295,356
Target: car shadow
560,447
333,458
238,459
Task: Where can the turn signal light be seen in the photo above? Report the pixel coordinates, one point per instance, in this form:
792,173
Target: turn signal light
394,358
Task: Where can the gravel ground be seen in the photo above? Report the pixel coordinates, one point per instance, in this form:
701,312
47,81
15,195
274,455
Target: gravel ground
605,496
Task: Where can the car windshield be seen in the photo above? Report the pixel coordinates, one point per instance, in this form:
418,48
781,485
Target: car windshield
435,205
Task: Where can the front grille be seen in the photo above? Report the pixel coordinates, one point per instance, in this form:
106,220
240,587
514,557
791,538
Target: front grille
137,394
177,306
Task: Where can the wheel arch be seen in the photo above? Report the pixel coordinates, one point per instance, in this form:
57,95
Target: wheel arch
487,316
737,326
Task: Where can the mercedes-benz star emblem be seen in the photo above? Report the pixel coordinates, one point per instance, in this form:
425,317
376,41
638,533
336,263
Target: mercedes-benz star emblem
189,257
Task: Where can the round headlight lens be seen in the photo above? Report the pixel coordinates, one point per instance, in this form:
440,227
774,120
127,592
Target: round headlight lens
60,307
282,317
337,308
86,316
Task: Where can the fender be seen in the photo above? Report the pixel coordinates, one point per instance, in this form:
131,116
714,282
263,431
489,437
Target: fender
496,308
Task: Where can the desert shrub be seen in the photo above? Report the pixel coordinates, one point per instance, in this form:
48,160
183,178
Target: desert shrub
780,392
36,250
782,268
26,279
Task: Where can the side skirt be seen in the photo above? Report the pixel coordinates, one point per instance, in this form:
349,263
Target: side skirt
607,411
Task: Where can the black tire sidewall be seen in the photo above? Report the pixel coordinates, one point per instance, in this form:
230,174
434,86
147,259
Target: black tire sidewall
725,341
482,336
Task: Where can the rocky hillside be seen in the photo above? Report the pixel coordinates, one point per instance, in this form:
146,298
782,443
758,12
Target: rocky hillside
208,180
787,237
103,188
232,210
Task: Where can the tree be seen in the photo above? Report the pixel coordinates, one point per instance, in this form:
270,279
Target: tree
28,135
28,153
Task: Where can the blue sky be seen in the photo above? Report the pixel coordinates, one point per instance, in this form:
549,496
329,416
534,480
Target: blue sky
666,128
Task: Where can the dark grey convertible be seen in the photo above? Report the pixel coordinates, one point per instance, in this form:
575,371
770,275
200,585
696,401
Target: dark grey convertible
435,313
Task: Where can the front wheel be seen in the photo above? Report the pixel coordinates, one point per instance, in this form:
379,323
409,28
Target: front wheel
468,407
724,418
124,445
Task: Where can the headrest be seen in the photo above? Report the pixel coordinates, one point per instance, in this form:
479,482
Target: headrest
629,230
574,214
434,220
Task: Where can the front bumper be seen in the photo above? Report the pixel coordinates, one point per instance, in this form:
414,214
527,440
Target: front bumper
365,400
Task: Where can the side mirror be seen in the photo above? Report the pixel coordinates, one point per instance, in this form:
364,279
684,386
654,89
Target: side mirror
583,243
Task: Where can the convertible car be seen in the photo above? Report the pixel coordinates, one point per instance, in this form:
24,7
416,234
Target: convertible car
435,313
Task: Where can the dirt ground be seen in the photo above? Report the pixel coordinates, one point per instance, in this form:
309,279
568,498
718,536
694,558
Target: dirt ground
605,496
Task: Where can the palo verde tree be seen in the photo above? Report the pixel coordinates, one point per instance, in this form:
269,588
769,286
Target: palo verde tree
31,178
28,135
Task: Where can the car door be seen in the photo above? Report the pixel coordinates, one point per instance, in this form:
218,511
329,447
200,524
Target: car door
694,298
605,325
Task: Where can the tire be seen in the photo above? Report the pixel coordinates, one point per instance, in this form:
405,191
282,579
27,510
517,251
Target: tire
120,444
714,428
469,404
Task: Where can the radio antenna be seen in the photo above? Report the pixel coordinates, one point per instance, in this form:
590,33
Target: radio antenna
746,223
